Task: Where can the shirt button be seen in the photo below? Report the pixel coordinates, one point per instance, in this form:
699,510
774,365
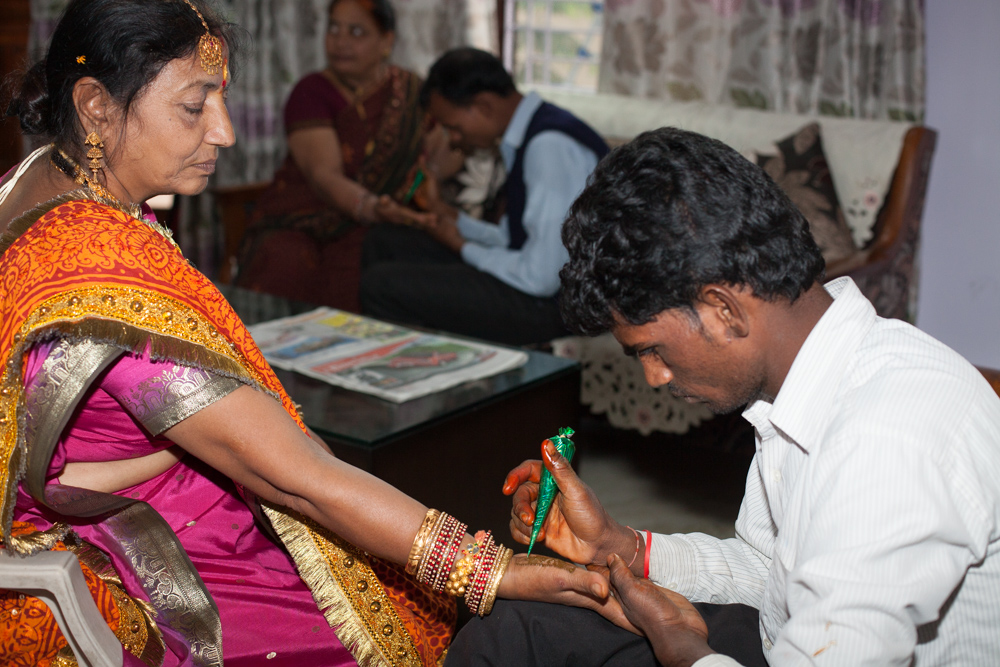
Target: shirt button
776,475
767,644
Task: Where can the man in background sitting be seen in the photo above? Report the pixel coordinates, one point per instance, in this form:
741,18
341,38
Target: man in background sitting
468,276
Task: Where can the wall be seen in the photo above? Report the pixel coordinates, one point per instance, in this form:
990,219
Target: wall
959,301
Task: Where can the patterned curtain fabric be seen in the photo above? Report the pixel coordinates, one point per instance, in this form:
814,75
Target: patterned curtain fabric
860,58
287,42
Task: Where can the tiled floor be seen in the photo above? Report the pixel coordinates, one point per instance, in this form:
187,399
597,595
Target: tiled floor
668,483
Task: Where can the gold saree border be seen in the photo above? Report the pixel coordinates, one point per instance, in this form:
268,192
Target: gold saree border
347,591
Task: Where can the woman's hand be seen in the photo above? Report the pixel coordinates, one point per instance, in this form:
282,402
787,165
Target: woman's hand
671,623
577,527
389,210
547,579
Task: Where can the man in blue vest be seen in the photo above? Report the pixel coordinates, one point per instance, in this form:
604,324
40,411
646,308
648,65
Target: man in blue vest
468,276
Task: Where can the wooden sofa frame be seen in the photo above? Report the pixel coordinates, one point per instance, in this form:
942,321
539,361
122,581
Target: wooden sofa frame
885,268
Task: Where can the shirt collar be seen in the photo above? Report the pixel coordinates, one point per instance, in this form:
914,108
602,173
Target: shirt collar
805,404
513,137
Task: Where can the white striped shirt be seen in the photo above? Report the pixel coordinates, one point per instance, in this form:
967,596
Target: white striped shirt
870,529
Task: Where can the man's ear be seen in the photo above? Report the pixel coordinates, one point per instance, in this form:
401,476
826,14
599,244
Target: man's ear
727,308
93,105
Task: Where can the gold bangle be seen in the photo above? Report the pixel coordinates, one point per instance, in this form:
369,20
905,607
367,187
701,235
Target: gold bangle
490,595
432,538
421,541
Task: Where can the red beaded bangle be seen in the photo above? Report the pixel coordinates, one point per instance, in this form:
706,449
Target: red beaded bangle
449,543
649,546
435,568
477,586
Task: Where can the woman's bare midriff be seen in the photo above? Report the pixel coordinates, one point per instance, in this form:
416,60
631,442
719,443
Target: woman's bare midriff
111,476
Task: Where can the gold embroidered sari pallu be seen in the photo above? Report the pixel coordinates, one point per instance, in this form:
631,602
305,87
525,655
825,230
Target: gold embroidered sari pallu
87,272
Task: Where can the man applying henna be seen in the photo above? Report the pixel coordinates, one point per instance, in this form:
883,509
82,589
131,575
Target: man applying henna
870,528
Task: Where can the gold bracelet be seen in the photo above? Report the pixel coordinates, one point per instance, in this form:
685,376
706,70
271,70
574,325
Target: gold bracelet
490,595
360,214
458,580
420,542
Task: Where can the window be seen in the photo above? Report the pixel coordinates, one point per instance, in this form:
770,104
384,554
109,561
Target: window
554,43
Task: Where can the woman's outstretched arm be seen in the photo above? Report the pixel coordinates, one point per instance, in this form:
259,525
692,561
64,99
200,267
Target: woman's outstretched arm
249,437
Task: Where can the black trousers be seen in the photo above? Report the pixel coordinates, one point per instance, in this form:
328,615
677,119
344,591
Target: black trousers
410,278
536,634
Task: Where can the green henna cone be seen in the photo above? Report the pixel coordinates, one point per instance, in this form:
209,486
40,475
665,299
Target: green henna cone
547,486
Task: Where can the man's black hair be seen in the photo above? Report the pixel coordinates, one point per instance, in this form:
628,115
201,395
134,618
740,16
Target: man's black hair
461,74
671,212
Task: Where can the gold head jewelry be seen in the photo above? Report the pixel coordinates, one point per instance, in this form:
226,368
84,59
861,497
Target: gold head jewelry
209,46
81,60
94,153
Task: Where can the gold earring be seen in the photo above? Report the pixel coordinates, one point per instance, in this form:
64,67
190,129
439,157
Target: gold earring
95,153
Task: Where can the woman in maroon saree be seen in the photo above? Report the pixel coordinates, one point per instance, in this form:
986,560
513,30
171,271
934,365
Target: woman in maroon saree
354,131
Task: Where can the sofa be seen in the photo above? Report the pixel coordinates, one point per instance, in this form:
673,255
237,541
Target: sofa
876,172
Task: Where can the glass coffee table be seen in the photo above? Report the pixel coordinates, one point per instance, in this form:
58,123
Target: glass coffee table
449,450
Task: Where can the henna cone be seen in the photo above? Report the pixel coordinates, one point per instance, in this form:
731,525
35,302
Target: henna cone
547,486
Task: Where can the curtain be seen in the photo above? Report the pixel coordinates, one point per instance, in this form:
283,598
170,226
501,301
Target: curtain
860,58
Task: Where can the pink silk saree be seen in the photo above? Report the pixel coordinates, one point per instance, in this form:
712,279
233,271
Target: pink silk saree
268,614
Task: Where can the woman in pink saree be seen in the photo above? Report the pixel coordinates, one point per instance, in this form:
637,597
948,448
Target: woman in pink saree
141,427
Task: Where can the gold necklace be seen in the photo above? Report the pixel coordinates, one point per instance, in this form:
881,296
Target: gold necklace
356,96
68,166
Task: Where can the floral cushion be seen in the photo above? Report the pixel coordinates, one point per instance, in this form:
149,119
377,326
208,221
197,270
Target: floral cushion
801,169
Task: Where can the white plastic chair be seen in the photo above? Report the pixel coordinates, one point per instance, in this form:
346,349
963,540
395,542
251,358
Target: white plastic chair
55,578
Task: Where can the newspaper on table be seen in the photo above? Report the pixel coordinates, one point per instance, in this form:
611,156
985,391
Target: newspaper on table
374,357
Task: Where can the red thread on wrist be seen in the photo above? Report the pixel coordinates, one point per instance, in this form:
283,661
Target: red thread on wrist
649,546
637,545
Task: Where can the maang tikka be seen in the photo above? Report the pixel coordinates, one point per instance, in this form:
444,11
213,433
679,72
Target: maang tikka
209,46
94,154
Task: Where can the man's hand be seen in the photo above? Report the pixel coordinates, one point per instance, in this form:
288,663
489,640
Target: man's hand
671,623
577,527
443,223
445,231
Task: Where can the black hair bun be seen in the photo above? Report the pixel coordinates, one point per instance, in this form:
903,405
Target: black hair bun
31,104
